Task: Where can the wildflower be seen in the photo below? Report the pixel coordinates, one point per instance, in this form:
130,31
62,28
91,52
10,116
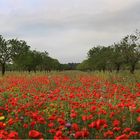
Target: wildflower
2,118
73,115
59,133
126,130
13,135
78,134
105,126
35,134
21,118
61,121
93,108
138,110
133,133
51,124
99,123
92,125
84,118
116,123
138,119
2,125
32,124
75,126
85,133
11,121
123,136
116,128
25,125
108,134
68,125
52,131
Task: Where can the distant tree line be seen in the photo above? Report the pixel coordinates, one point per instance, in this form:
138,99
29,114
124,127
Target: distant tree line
122,55
16,55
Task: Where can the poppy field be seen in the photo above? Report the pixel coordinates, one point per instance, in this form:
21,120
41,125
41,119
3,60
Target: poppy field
68,106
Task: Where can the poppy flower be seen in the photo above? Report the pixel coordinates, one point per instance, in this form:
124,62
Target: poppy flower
126,130
51,124
122,137
116,123
75,126
108,134
78,135
116,128
59,133
2,125
35,134
138,119
13,135
84,118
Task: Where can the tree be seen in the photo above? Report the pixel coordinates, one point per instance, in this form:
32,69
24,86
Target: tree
46,62
131,50
36,59
5,53
117,56
93,57
20,50
85,65
100,57
19,56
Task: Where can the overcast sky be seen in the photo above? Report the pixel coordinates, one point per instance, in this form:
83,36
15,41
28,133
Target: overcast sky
67,29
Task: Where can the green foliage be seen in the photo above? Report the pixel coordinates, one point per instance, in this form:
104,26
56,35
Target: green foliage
5,53
131,50
125,54
85,65
16,55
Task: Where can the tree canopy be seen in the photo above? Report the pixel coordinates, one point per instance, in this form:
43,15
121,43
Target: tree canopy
125,53
19,56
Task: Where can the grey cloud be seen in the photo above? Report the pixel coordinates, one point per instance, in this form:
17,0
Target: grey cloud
69,33
117,21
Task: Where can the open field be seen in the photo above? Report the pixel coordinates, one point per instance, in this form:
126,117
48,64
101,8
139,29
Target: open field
70,105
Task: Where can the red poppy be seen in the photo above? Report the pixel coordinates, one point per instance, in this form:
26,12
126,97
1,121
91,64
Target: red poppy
34,134
2,125
75,126
122,137
126,130
59,133
61,121
84,118
13,135
73,115
116,128
51,124
116,123
92,125
108,134
78,135
85,133
138,119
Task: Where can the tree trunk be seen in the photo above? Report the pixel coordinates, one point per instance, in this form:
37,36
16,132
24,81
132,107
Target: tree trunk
3,69
118,68
34,70
103,69
110,70
132,68
29,71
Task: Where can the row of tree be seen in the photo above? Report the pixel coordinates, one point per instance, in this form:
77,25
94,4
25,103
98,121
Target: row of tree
17,55
122,55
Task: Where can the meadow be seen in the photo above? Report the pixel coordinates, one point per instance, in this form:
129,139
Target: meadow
70,105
